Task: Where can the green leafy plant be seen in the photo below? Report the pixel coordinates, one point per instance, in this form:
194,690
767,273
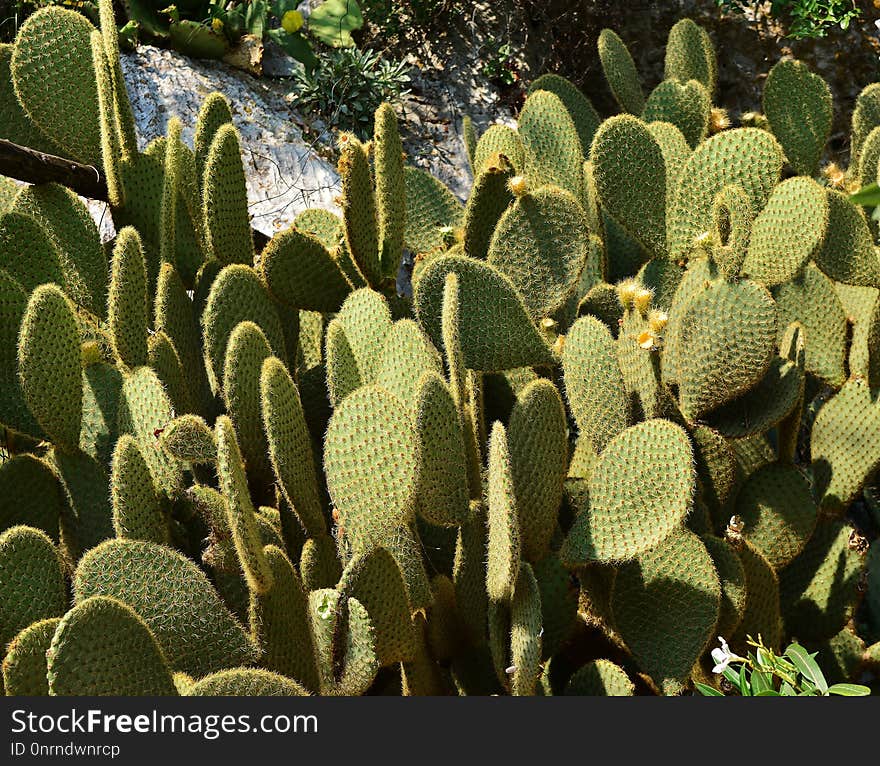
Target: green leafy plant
805,18
209,28
348,85
498,63
763,673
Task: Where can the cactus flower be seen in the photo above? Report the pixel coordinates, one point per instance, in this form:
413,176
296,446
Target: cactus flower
292,21
642,299
518,186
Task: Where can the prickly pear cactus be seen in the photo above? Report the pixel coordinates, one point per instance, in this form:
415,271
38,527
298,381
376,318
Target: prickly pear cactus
630,404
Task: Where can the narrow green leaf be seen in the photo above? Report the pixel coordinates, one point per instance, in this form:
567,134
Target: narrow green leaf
744,685
869,196
849,690
761,682
707,691
807,666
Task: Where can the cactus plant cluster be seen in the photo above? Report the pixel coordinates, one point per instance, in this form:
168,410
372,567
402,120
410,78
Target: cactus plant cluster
629,408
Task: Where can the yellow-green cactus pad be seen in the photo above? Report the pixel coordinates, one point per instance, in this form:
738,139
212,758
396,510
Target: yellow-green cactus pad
630,174
866,117
620,72
137,513
433,212
503,140
27,253
67,221
355,340
732,576
762,613
504,548
552,145
25,664
537,437
541,243
290,447
237,294
370,463
407,355
29,494
246,682
33,580
778,511
103,648
728,337
55,81
811,299
195,630
600,678
345,643
666,605
787,232
848,254
525,634
583,114
690,55
281,623
225,203
747,157
684,104
820,588
798,106
50,365
640,491
495,329
241,512
145,409
845,445
442,496
302,274
376,581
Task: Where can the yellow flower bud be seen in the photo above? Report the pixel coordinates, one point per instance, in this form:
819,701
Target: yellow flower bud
291,22
642,299
217,25
657,321
626,292
835,176
719,120
518,186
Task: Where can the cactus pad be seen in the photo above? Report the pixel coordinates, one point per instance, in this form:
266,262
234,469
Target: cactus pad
50,365
196,632
798,106
103,648
496,332
674,586
640,492
541,244
787,232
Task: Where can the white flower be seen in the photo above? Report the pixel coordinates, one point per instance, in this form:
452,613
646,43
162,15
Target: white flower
723,657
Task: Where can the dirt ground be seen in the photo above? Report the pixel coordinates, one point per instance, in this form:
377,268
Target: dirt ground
560,36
